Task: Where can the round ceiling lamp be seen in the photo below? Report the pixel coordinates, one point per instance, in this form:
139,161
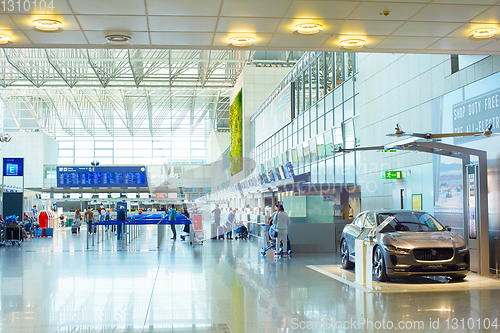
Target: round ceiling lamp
47,24
242,41
308,28
4,39
483,33
353,43
118,39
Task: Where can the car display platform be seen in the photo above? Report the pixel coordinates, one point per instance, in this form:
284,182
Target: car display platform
410,285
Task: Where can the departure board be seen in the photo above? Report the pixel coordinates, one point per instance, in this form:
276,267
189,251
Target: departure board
119,176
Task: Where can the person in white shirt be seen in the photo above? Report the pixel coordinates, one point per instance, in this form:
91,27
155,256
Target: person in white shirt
282,222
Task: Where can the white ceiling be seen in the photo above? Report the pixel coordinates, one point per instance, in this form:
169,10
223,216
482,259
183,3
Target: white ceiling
416,26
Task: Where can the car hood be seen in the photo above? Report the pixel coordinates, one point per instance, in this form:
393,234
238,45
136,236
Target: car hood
421,239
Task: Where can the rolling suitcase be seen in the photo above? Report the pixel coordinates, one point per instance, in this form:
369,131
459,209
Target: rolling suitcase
44,232
49,232
221,231
74,229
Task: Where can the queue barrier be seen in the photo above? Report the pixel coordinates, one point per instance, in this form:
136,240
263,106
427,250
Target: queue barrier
131,229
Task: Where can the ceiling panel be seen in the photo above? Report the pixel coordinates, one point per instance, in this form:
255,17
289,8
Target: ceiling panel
6,22
64,37
321,9
255,8
17,36
493,46
373,11
368,27
448,13
426,29
222,39
184,7
125,23
465,2
98,37
25,22
182,38
457,43
110,7
282,40
491,15
177,23
243,24
328,26
408,43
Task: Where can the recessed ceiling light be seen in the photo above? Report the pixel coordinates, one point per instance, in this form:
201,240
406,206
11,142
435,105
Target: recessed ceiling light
308,28
47,24
482,33
242,41
352,43
118,39
4,39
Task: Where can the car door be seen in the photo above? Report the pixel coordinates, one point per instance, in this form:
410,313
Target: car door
354,230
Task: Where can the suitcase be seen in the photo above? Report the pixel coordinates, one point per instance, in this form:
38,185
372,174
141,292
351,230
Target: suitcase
38,232
221,231
49,232
74,229
43,232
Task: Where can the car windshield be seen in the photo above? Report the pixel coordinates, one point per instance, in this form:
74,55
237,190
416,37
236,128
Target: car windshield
409,221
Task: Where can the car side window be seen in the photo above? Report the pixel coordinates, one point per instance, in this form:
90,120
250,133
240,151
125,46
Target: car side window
359,221
370,220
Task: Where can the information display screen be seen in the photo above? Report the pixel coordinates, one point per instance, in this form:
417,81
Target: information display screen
126,176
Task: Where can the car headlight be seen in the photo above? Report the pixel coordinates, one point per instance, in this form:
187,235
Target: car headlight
461,248
398,250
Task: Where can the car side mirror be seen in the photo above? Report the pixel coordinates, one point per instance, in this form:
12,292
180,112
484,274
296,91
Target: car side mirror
447,228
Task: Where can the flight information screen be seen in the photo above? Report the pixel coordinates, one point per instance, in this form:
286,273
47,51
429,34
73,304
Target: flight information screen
122,176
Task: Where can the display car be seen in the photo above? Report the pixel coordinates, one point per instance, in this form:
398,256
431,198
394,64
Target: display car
409,242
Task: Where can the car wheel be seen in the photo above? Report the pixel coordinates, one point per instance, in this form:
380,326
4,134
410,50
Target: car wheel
344,256
458,277
379,269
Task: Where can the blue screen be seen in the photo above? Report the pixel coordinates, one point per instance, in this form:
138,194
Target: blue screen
13,166
126,176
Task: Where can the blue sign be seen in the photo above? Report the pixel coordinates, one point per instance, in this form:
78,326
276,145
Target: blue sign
13,166
126,176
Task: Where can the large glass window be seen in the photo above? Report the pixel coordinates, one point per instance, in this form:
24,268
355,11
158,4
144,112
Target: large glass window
307,90
300,92
329,71
328,143
314,81
349,134
338,69
338,138
349,66
312,150
321,76
320,146
305,149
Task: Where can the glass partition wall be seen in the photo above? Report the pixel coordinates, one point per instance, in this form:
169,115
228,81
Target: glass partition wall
324,119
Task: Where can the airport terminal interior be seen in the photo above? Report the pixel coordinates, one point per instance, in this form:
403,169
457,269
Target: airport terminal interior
250,166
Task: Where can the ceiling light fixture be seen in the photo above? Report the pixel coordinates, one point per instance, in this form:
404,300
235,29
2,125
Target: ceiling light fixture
308,28
483,33
4,39
242,41
47,24
353,43
118,39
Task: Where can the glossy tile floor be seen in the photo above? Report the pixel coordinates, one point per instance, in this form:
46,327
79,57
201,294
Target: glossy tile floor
53,285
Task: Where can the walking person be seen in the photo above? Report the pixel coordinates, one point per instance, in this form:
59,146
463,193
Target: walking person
282,222
121,217
172,217
216,212
230,223
89,217
78,220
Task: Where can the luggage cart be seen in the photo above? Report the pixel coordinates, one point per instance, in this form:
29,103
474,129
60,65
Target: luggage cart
196,234
13,234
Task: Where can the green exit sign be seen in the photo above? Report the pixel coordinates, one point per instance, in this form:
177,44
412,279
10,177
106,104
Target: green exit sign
392,175
388,151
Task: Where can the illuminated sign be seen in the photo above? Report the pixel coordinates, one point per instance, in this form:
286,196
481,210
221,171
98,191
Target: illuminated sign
13,166
392,175
126,176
